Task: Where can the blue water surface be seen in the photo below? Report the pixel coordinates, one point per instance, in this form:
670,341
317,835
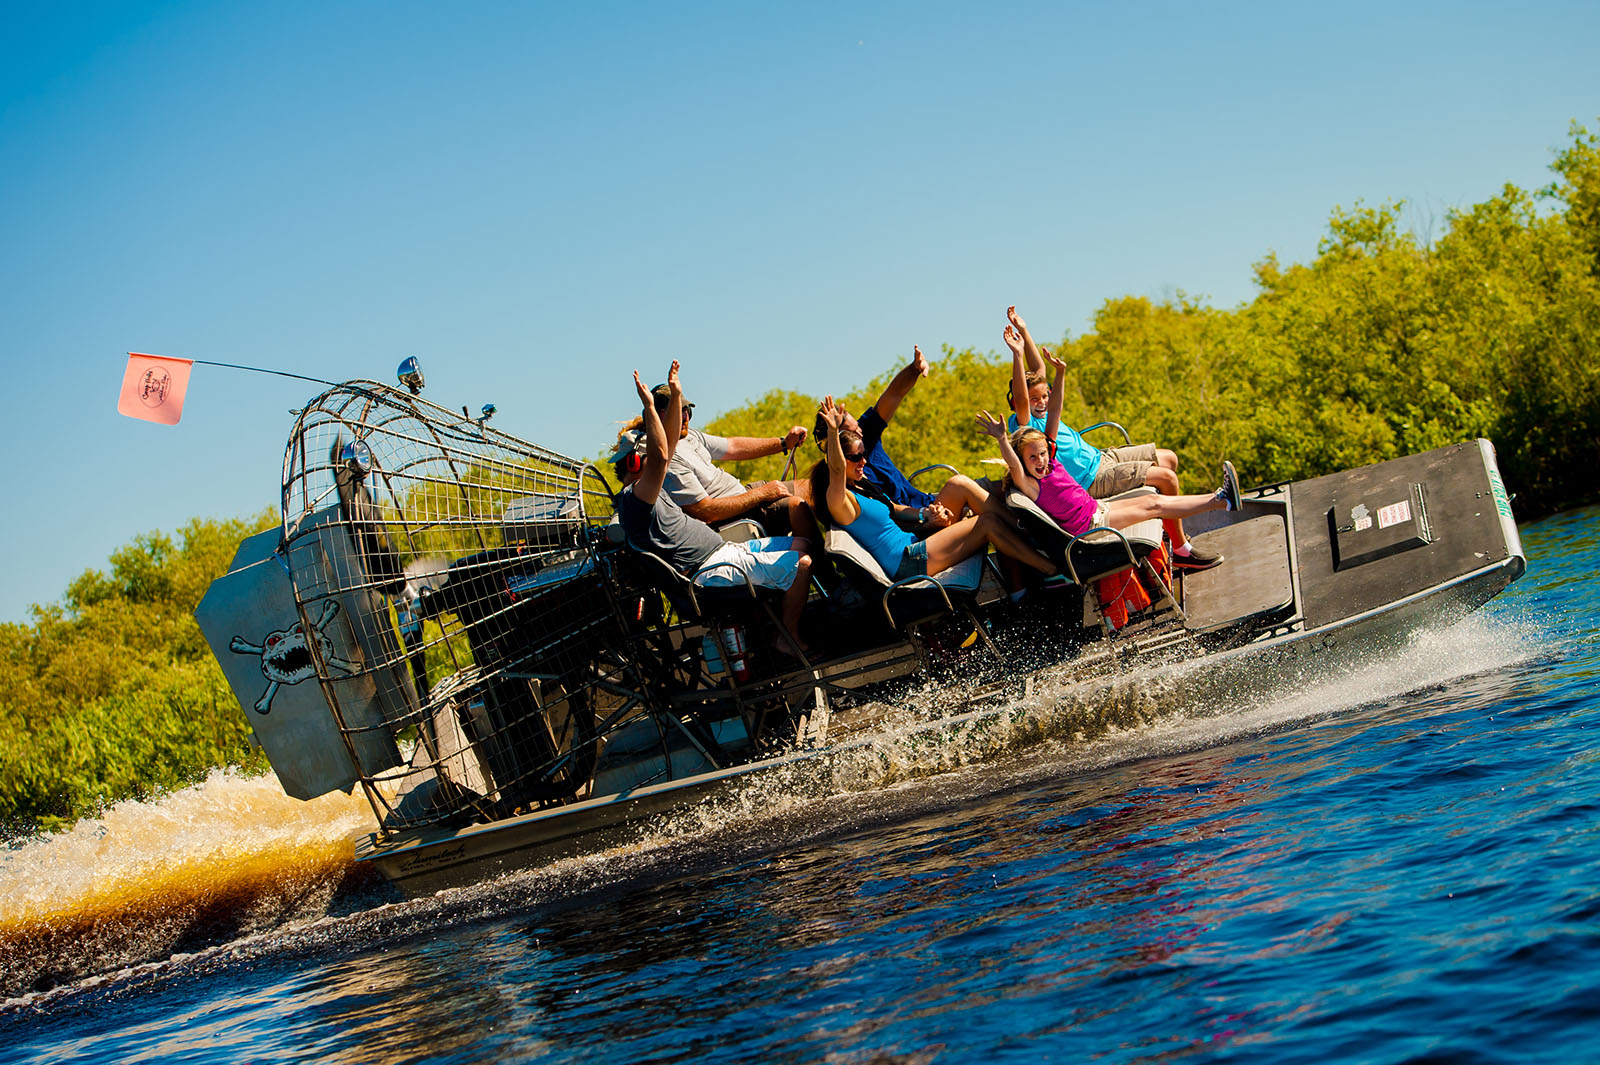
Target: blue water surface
1401,868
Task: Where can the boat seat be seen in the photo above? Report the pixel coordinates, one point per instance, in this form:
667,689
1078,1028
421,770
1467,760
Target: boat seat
713,608
740,530
913,593
692,601
1098,552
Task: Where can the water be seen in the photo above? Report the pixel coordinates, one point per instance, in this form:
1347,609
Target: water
1399,866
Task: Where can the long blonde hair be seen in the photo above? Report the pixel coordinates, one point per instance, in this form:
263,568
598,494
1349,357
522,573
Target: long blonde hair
1025,435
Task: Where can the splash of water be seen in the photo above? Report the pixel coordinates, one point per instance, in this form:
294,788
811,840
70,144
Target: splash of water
230,856
1479,645
234,858
1079,726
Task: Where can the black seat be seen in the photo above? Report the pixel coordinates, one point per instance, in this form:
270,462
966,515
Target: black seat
1098,552
912,603
919,598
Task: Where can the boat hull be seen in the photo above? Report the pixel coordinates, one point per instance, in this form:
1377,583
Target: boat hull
1333,602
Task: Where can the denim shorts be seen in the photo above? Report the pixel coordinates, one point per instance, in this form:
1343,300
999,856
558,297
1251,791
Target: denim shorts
913,561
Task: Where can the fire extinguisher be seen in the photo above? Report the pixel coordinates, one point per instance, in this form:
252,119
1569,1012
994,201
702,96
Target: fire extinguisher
738,656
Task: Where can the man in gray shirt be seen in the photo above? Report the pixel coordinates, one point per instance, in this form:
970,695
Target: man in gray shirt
654,523
715,496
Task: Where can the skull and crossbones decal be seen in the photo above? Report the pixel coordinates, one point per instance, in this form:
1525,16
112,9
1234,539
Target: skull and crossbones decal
286,654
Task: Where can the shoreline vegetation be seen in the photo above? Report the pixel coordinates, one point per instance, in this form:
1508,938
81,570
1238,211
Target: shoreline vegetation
1385,344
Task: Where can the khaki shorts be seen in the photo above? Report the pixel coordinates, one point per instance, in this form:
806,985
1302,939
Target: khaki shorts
1122,469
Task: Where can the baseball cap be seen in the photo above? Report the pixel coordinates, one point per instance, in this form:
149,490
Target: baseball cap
662,394
628,440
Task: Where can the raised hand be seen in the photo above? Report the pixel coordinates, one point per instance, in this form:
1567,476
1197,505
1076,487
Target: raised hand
987,423
1016,321
644,393
1013,341
672,379
832,414
1050,359
919,361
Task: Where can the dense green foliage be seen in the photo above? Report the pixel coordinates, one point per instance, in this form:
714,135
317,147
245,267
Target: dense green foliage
1384,345
113,693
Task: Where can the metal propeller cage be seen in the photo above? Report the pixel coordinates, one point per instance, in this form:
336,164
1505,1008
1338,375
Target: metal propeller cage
468,634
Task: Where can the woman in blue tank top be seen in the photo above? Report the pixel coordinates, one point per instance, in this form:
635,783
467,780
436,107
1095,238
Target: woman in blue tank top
840,499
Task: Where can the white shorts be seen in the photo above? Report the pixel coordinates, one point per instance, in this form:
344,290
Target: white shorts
769,562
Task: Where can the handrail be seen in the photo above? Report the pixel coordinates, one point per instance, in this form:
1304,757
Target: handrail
1074,540
908,581
1126,439
935,466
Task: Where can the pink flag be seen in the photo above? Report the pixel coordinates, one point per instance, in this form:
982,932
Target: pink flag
153,388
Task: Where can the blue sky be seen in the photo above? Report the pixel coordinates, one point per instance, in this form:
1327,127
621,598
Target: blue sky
536,198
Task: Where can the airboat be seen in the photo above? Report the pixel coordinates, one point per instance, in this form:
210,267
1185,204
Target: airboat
449,619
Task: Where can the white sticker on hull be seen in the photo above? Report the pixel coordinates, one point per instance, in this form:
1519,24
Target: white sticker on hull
1394,514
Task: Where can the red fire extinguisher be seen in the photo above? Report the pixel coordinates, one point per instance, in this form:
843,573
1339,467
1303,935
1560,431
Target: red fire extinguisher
738,656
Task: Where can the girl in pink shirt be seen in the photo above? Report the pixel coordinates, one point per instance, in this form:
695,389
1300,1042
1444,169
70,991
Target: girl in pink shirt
1031,465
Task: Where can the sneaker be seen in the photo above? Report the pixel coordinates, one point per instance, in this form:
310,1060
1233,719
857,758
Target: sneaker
1229,492
1196,560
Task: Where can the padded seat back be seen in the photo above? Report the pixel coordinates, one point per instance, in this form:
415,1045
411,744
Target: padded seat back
914,599
741,530
964,576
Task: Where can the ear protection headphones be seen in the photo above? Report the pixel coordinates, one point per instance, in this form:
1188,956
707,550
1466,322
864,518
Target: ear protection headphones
632,462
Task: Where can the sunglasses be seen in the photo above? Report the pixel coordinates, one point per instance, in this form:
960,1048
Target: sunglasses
856,456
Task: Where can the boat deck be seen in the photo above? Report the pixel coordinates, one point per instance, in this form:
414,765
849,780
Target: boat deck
1254,580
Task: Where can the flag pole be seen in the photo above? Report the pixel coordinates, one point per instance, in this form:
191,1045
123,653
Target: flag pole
259,369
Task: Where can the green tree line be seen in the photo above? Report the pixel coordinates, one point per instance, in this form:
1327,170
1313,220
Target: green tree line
112,693
1383,345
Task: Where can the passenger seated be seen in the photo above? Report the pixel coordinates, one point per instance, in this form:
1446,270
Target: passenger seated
1032,466
916,510
843,499
1102,472
654,523
715,496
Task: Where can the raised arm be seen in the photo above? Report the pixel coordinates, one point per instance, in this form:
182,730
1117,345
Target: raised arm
903,383
1019,378
1052,423
659,445
1030,350
841,502
988,423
